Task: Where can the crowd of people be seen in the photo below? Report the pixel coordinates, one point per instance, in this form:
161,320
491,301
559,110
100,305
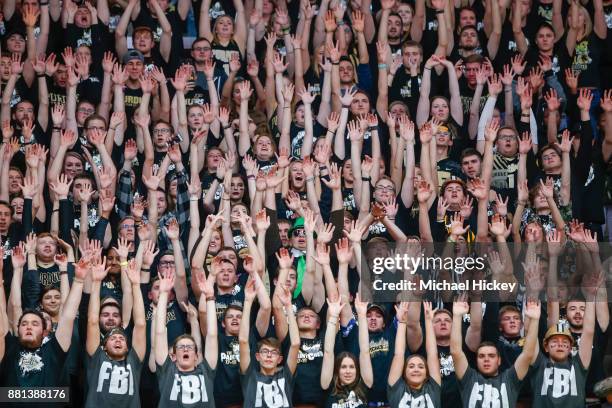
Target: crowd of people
194,223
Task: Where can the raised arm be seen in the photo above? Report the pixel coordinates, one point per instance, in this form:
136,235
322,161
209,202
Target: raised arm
63,333
166,283
365,361
397,364
460,307
530,349
327,366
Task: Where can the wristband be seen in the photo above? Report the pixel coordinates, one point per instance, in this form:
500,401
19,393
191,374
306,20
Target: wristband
251,177
220,180
382,66
77,280
365,179
372,128
227,127
335,63
63,273
525,115
332,320
439,11
193,198
57,128
209,298
323,167
309,179
40,75
56,210
346,106
145,270
123,263
427,69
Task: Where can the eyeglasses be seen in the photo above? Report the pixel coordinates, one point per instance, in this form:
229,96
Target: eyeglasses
268,352
186,347
163,131
166,264
506,138
100,128
202,49
86,111
127,226
385,188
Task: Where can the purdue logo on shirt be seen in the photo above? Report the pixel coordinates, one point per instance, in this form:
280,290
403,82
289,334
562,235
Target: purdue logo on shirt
188,389
273,394
120,379
562,380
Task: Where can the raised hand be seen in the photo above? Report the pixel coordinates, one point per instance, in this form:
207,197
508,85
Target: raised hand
172,230
585,98
285,261
61,187
322,257
552,100
461,306
356,232
98,269
457,228
344,251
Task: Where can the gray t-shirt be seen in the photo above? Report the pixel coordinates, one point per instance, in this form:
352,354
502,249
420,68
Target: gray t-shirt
478,391
185,388
558,384
402,396
113,383
263,391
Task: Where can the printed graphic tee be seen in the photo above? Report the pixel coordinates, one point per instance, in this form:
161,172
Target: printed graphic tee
478,391
113,383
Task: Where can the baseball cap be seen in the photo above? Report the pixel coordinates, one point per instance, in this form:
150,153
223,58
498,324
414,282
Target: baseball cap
15,31
378,307
558,330
297,224
133,55
116,330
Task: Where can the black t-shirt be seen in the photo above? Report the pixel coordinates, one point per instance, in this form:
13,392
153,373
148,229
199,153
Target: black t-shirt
507,44
586,60
307,388
145,18
430,33
348,399
381,345
596,368
227,379
24,367
558,384
185,388
501,390
402,396
113,383
263,391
